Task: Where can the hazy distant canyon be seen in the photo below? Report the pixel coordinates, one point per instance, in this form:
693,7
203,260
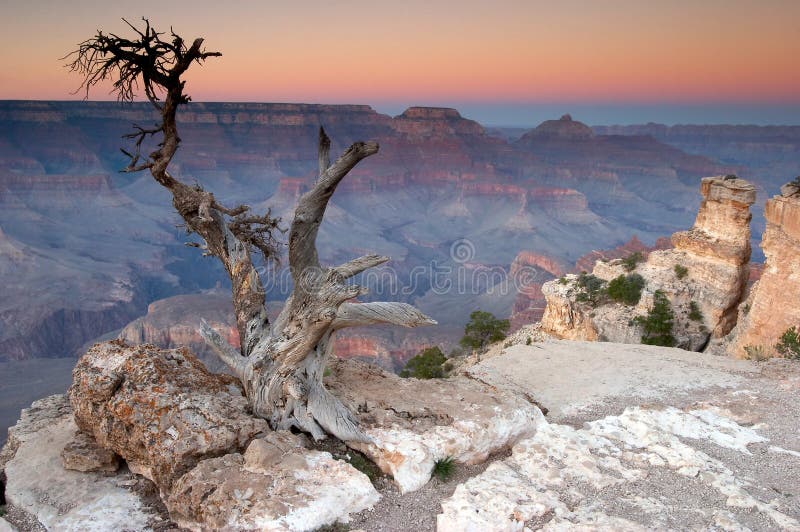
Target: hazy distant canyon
472,217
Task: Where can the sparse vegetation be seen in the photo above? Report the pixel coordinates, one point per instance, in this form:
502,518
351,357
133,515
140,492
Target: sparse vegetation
426,365
562,280
444,468
483,329
528,341
335,527
626,289
593,289
694,312
658,322
681,271
755,352
365,465
632,260
789,344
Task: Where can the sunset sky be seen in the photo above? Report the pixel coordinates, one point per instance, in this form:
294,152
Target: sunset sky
501,62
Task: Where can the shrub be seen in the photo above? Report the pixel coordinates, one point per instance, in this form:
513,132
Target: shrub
593,289
483,329
789,344
658,322
444,468
562,280
681,271
694,312
426,365
626,288
632,260
755,352
528,341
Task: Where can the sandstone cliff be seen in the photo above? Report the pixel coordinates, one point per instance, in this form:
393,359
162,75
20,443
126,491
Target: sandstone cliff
706,272
772,306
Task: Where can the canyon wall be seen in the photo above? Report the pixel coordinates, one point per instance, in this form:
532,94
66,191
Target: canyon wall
707,270
773,305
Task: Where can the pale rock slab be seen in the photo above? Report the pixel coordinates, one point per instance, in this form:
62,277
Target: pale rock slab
277,485
61,499
560,469
415,422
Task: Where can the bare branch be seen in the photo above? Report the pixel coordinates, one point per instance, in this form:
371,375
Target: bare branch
356,266
324,152
393,313
311,207
225,351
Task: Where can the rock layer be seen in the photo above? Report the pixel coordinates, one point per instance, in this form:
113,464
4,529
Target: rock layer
715,254
772,306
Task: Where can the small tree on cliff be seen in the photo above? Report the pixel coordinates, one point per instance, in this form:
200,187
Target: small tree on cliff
483,329
280,364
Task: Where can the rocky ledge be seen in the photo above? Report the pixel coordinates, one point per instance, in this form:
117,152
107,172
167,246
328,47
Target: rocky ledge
142,416
707,270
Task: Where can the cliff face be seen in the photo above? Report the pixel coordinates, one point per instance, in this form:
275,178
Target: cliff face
715,254
772,306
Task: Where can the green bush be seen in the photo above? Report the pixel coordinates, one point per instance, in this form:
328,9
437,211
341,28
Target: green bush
626,288
632,260
444,468
528,341
593,289
658,322
694,312
789,344
426,365
483,329
681,271
562,280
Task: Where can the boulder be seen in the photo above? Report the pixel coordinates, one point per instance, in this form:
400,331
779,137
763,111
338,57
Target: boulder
159,409
413,423
277,484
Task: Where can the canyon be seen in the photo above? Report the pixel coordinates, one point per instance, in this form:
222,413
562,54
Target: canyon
471,218
106,245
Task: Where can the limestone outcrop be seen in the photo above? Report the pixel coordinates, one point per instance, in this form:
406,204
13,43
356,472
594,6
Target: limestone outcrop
60,499
276,484
413,423
704,277
773,304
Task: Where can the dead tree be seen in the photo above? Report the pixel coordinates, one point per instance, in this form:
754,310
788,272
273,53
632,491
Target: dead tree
281,364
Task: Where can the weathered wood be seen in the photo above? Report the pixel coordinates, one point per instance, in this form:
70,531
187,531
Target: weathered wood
281,366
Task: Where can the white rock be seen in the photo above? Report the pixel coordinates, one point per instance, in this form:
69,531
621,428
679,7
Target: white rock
561,468
60,499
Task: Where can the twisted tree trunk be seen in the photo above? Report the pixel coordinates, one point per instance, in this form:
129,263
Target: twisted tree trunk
281,365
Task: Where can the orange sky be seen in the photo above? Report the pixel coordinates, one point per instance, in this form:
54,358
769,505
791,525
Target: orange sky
419,51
